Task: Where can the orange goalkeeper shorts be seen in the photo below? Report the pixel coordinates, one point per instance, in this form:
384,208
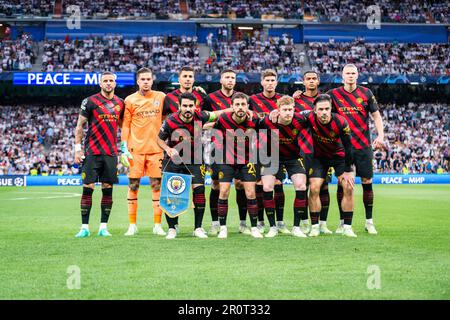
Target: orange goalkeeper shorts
146,165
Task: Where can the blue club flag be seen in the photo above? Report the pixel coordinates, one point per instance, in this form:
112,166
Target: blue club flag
175,192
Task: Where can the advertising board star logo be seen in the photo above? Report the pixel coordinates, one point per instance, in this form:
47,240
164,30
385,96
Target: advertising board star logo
18,182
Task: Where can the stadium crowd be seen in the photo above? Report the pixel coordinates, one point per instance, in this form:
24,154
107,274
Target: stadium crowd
147,9
37,137
42,8
246,9
409,11
17,55
380,58
39,140
255,54
114,53
418,137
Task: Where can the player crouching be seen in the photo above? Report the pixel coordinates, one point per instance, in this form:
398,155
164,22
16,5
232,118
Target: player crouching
176,129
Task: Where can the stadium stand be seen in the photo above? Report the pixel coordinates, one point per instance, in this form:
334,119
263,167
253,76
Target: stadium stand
112,52
246,9
37,136
418,139
144,9
410,11
255,54
34,8
17,55
380,58
43,138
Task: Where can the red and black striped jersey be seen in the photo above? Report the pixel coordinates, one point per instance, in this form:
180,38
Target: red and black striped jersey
103,123
171,103
331,140
216,101
262,105
305,103
234,144
288,136
355,107
184,130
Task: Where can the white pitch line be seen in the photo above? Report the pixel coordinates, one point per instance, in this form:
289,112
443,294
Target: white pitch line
62,195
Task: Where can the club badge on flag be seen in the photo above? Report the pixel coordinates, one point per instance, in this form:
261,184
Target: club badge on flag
175,192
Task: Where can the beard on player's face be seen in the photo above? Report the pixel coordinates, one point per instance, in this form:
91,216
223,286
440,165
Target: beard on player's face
187,113
241,113
229,86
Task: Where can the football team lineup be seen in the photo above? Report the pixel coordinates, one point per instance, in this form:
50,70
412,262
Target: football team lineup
412,258
307,136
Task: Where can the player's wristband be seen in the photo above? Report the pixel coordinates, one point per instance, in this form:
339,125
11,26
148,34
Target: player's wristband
77,147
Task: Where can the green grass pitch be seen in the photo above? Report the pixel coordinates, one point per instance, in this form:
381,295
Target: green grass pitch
38,224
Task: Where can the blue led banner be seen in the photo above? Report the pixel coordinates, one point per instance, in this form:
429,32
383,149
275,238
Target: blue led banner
22,181
67,79
128,78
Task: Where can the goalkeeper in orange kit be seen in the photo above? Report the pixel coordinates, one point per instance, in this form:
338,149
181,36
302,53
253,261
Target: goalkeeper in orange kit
140,151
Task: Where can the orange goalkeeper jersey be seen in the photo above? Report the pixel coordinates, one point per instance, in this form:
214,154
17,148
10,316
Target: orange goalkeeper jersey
143,117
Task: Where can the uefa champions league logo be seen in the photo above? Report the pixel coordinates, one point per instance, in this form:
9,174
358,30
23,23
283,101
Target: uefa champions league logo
176,185
18,182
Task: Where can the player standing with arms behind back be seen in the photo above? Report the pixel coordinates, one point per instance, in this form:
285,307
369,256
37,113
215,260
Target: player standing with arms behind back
140,151
186,78
355,103
103,113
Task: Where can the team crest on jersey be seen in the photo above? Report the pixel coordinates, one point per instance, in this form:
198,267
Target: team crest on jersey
310,171
117,107
332,134
220,175
295,132
83,175
346,130
156,103
360,100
